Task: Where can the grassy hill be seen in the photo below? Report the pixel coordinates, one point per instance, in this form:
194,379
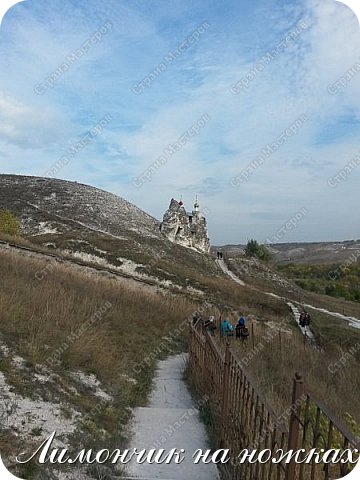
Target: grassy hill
99,227
77,352
92,295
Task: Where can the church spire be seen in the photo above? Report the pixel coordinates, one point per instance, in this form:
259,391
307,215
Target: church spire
196,204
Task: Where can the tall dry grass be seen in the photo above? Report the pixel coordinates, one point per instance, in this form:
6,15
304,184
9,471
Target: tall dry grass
260,276
51,323
280,352
39,316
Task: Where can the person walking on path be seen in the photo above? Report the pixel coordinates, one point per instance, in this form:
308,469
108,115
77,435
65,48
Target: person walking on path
227,329
240,330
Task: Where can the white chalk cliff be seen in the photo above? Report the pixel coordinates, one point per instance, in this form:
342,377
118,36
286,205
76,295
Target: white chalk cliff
187,229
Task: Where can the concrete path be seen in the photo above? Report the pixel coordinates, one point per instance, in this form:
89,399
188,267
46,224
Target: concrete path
295,311
170,421
352,321
305,330
228,272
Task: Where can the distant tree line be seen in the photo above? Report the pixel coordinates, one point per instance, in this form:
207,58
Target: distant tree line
321,279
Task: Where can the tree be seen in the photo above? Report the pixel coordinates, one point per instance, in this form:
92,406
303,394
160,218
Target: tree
264,253
9,224
253,249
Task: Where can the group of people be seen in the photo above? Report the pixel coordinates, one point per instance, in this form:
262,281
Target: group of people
241,331
219,255
304,319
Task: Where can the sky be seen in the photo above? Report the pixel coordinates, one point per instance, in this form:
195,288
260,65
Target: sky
134,77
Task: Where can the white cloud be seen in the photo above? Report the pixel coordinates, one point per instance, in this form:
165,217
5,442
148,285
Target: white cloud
294,83
26,126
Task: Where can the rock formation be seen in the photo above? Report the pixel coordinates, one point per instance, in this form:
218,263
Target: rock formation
187,229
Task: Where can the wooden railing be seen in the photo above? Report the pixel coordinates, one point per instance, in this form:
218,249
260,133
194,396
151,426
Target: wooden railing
241,418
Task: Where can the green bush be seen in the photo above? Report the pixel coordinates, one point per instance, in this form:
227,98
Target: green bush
9,224
253,249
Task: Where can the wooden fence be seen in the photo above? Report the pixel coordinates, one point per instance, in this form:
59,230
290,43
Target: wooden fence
242,419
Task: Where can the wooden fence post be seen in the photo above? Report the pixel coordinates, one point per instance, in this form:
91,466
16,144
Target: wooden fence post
220,322
294,425
225,394
280,339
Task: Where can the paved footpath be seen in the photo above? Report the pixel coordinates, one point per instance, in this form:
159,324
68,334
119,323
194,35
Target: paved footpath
305,330
171,420
227,271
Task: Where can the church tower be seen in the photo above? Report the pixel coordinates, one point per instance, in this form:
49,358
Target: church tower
196,206
198,226
187,229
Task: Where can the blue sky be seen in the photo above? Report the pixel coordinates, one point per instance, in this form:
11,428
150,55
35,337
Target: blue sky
37,130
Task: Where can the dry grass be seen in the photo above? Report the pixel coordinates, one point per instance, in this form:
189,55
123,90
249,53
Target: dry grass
42,314
259,276
273,365
37,319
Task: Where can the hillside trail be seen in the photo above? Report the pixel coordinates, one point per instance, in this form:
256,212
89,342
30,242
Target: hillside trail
352,321
227,271
170,420
306,331
152,286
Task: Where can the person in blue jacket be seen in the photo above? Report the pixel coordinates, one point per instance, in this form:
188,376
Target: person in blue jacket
226,328
241,322
240,327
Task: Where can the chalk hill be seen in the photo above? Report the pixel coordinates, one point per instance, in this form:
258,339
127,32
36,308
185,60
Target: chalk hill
96,226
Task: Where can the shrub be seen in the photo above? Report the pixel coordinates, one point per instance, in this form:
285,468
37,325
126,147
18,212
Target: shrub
9,224
253,249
